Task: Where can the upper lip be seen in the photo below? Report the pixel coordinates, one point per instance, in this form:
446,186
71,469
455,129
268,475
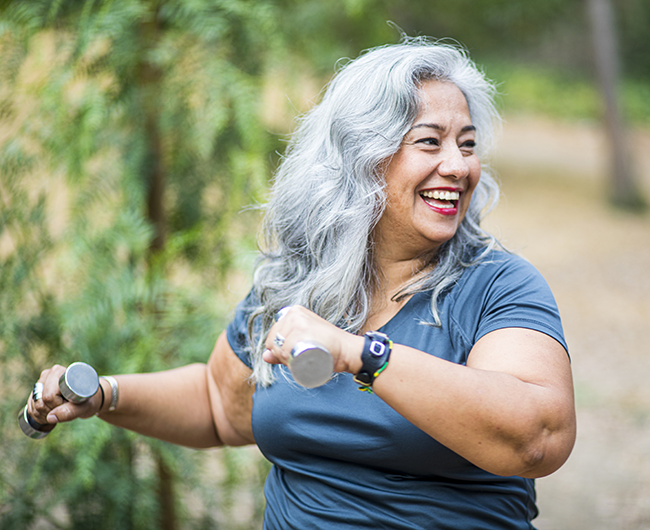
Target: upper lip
443,188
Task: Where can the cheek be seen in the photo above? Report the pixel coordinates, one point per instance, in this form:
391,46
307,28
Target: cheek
467,199
467,196
399,189
474,176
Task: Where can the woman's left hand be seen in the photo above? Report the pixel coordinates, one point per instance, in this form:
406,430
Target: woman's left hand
300,324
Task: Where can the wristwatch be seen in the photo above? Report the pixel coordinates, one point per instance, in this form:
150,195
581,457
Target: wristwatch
374,358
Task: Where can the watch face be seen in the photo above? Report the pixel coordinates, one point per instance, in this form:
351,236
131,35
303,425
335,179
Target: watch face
377,348
375,353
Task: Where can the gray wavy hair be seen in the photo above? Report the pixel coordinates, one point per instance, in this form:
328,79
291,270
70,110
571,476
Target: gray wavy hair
328,192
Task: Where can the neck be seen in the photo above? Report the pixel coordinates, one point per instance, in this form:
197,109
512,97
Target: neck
395,274
398,264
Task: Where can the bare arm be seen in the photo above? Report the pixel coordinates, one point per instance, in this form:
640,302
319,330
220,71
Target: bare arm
231,394
510,411
172,406
182,406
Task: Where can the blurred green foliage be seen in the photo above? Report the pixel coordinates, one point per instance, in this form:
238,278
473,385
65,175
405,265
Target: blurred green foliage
536,89
99,99
633,18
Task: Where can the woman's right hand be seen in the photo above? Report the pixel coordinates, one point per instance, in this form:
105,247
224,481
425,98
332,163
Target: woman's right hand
52,408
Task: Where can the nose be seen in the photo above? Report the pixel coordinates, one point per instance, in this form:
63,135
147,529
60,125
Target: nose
453,164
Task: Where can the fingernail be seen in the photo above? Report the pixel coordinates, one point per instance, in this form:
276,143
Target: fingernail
51,418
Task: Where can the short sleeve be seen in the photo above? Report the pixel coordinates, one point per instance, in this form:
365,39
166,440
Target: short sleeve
504,293
237,330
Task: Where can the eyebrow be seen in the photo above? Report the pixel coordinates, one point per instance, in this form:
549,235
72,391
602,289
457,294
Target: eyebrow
437,127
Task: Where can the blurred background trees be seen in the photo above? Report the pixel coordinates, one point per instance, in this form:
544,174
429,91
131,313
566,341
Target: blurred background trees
133,134
131,137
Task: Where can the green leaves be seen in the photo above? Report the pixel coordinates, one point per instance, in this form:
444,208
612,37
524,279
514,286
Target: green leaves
100,100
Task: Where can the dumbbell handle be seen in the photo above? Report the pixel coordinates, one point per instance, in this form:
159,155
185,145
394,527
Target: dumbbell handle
78,384
311,364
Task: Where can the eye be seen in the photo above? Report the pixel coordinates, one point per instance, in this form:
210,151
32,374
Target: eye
428,141
468,145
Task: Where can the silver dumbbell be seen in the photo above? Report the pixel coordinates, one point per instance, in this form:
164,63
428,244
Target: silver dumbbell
311,364
78,384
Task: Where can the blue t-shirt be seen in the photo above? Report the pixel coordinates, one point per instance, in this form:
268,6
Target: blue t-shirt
344,459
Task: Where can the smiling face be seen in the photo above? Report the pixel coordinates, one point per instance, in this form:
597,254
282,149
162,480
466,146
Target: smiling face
430,180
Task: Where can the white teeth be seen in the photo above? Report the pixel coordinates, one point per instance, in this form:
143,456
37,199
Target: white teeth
441,195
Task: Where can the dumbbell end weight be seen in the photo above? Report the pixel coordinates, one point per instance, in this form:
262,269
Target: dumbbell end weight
31,428
311,364
79,383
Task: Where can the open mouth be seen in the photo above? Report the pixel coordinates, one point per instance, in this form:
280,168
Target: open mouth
441,200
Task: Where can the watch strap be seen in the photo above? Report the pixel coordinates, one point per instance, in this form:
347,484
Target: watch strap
377,348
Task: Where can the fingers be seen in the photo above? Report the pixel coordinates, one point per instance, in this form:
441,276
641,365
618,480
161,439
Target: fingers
295,324
72,411
270,357
52,408
283,334
275,352
50,396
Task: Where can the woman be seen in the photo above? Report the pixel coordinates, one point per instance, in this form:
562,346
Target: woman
373,224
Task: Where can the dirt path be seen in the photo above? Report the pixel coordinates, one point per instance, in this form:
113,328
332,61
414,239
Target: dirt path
597,261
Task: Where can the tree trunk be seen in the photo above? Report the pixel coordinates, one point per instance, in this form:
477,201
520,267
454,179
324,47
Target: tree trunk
153,169
624,192
156,187
153,172
166,496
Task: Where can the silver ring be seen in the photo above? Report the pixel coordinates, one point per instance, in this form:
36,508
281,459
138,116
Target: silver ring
282,312
37,392
278,340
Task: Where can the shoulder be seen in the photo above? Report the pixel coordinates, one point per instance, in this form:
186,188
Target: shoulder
504,290
237,331
499,261
498,269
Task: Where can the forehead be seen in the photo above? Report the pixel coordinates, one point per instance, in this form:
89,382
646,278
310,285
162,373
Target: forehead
442,100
